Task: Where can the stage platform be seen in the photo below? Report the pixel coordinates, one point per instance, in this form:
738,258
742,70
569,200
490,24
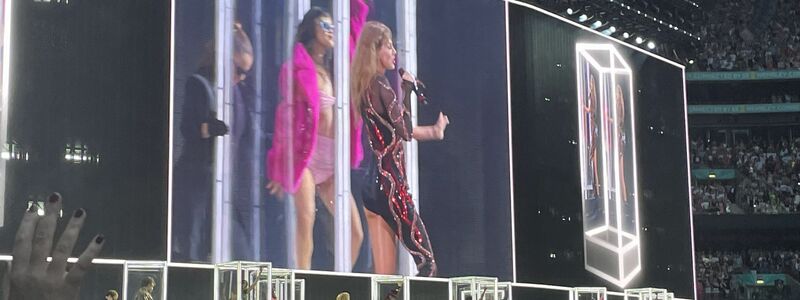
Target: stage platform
260,279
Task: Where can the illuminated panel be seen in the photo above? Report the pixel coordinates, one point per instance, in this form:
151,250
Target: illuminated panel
611,240
5,65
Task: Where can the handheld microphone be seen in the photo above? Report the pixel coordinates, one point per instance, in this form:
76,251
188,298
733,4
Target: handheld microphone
417,87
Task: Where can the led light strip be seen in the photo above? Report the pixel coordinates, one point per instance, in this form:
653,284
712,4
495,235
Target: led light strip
576,24
4,109
171,139
655,20
510,149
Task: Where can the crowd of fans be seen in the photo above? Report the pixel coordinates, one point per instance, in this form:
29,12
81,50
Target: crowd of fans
783,98
717,269
714,270
749,35
767,177
713,198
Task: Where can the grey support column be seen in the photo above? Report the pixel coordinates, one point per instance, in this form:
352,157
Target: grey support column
341,66
292,16
221,229
407,58
255,187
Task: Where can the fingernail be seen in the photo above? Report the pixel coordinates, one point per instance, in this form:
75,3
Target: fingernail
79,213
99,239
54,198
33,208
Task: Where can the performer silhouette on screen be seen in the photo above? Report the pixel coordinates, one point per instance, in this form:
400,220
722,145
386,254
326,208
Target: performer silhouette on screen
591,131
620,128
630,206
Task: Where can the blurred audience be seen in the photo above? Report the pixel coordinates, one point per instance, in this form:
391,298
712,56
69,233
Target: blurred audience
748,35
716,272
767,176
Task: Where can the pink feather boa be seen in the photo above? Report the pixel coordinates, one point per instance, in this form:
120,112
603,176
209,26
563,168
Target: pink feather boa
297,115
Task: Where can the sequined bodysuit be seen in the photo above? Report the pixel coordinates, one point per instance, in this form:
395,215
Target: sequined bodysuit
388,124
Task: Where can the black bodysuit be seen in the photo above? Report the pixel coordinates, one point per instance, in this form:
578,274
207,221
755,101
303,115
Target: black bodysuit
388,125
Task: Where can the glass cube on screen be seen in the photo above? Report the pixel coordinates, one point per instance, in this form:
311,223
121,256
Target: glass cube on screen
608,163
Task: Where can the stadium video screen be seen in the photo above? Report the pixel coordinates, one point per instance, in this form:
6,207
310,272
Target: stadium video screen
247,185
86,114
173,135
599,160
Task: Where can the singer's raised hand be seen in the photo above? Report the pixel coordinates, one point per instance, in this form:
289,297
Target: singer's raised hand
433,132
441,126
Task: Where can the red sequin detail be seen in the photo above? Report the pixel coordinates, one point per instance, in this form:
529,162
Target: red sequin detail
389,153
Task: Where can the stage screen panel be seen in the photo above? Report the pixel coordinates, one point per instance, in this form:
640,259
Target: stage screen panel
601,194
86,113
255,149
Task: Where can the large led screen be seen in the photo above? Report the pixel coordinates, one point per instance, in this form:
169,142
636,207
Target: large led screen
601,194
258,169
85,113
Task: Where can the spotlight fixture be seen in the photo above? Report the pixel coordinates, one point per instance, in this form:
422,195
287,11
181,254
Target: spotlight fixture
651,45
626,35
639,40
655,19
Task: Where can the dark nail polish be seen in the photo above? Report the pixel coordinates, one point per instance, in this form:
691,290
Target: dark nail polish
99,239
79,213
54,198
33,208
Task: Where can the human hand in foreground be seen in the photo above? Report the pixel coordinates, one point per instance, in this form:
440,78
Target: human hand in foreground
31,276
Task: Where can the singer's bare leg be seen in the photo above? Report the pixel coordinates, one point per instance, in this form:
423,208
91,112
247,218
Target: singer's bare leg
384,244
306,214
327,193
